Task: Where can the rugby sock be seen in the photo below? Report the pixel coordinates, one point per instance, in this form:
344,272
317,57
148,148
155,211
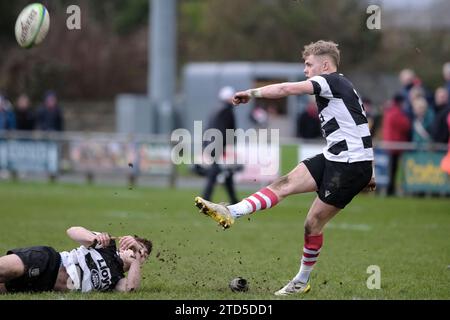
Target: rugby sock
263,199
311,252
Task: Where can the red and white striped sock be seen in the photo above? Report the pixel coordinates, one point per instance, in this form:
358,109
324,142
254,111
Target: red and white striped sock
263,199
311,251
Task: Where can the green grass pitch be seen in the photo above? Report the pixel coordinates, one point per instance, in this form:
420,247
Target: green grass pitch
193,258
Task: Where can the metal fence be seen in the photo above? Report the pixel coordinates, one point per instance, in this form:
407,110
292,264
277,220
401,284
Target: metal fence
90,155
126,157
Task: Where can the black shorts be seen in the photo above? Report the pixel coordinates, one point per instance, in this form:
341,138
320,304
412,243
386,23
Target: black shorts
338,182
41,270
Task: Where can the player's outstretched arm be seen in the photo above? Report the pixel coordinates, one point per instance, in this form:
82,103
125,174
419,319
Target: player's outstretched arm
274,91
132,281
88,238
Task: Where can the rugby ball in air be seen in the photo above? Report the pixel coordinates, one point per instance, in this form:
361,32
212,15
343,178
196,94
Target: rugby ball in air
32,25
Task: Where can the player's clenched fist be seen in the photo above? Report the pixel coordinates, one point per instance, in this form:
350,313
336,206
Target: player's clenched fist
129,242
102,239
241,97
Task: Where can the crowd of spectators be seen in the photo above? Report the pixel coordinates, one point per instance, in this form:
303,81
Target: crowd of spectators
22,116
416,114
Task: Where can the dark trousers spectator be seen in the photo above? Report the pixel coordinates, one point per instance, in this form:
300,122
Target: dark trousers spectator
393,166
213,171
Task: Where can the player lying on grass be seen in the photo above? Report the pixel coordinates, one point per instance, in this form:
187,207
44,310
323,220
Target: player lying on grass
337,175
96,265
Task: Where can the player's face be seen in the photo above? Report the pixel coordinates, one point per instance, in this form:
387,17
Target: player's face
143,252
314,66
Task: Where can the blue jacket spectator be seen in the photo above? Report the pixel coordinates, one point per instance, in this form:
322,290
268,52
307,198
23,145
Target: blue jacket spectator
49,116
406,78
439,129
411,87
7,117
25,117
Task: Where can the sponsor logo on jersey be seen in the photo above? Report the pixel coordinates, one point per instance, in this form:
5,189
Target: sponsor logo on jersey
33,272
95,279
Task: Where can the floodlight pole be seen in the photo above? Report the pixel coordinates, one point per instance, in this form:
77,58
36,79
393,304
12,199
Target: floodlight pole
162,62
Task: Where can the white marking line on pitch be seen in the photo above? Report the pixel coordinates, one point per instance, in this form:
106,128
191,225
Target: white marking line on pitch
349,226
131,214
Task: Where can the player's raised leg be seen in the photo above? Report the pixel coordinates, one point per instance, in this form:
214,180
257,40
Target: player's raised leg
318,216
299,180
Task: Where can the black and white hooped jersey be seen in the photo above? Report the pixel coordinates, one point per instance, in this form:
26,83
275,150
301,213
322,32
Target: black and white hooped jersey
92,269
343,119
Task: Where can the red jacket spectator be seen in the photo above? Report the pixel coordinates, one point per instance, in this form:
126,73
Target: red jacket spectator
396,124
445,163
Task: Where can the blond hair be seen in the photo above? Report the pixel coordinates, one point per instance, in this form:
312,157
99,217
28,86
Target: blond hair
322,48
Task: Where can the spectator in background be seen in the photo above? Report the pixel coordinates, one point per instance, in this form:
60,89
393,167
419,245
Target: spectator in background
396,127
24,113
7,116
308,122
407,80
372,115
412,87
445,163
415,93
272,110
49,116
446,75
221,120
439,129
423,119
259,117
